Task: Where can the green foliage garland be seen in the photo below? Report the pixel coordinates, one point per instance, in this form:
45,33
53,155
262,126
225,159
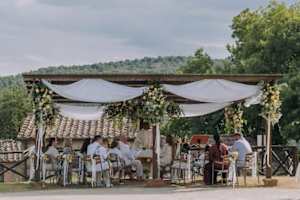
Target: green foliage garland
43,107
234,121
151,108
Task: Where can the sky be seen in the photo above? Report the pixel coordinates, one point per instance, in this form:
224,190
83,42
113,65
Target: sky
41,33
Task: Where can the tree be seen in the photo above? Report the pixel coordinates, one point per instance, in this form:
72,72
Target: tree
14,106
177,127
267,40
200,63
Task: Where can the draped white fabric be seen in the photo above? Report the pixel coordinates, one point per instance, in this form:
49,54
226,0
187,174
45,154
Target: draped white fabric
213,90
87,112
96,91
193,110
80,112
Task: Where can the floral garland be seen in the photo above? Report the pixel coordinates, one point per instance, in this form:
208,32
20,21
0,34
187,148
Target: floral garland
44,110
271,103
151,108
234,121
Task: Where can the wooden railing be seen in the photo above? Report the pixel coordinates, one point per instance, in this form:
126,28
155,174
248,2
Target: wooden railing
284,159
6,165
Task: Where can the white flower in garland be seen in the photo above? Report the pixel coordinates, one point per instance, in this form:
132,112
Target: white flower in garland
151,108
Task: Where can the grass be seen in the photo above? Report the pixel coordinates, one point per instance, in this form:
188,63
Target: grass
16,187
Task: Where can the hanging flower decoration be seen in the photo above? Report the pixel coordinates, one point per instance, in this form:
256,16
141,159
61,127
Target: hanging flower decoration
44,110
234,121
271,103
152,107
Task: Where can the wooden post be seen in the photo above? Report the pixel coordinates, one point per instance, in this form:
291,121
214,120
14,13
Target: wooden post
269,146
36,159
154,160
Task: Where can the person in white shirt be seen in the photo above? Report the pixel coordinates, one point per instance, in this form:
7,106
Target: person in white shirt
96,149
166,151
129,158
52,153
51,149
243,147
114,150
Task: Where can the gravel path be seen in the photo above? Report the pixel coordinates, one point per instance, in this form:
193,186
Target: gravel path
158,194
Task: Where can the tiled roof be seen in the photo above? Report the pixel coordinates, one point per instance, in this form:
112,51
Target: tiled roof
78,129
8,147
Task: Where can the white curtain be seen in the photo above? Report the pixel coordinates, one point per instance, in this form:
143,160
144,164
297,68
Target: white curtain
96,91
88,112
80,112
193,110
213,90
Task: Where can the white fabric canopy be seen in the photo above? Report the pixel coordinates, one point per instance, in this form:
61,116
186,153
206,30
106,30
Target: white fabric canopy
80,112
88,112
193,110
96,91
213,90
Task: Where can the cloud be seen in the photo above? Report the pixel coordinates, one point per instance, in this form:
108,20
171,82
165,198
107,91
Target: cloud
39,33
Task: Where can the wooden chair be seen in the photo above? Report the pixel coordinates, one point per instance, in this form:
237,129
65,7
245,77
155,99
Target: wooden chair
224,169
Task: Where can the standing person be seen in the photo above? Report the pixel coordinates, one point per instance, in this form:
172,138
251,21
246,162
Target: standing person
97,149
216,159
129,158
243,147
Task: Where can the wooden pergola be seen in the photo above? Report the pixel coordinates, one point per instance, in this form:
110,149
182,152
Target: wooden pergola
136,80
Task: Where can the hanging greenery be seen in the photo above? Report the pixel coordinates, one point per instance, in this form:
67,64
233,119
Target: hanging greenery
234,121
271,103
152,107
43,107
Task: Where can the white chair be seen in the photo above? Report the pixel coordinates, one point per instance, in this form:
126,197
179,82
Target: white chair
50,168
250,166
116,166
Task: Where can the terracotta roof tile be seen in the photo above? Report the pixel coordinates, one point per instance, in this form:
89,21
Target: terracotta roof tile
8,147
77,129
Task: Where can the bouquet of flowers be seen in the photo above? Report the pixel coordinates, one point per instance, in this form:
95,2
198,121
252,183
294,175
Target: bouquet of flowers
271,103
42,103
151,108
234,121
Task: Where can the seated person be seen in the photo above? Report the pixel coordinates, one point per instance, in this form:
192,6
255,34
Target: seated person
203,158
96,149
105,143
216,161
129,157
165,154
67,146
242,146
114,150
51,149
52,154
84,147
